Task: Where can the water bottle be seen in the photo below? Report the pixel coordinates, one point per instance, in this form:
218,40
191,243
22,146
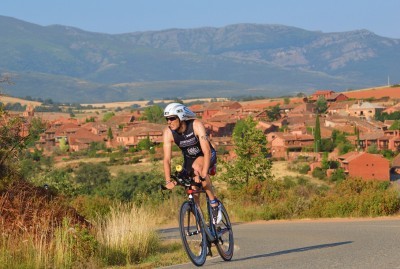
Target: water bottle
181,172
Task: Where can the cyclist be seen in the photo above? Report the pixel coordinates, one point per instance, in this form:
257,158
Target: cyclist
189,134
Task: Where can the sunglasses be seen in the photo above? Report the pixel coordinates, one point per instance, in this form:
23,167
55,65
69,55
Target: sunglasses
171,118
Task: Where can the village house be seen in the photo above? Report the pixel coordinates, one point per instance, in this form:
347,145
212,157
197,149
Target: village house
286,108
336,97
320,93
365,110
79,136
302,109
210,109
82,138
96,128
329,95
295,122
365,166
219,128
51,136
340,108
349,124
280,144
383,140
392,109
121,120
222,144
138,132
267,127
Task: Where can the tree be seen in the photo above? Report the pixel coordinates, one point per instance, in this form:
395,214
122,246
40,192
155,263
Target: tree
274,113
154,114
63,144
327,145
338,175
373,149
11,145
324,162
286,100
301,94
110,135
317,135
36,127
251,162
322,105
395,125
145,144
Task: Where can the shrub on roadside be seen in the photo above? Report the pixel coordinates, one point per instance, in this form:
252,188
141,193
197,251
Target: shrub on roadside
357,198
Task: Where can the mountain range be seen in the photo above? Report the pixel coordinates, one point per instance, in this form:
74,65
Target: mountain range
67,64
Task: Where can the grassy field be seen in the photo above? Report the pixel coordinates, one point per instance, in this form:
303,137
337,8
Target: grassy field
13,100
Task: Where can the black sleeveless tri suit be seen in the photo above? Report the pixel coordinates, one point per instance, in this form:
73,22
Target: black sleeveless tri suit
189,143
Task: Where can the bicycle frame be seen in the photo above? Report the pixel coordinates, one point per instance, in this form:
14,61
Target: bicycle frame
210,229
193,222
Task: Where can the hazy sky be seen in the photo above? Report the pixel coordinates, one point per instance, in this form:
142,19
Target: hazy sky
123,16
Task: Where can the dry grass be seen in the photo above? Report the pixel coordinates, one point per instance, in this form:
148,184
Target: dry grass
377,92
13,100
37,229
66,163
142,167
280,170
127,234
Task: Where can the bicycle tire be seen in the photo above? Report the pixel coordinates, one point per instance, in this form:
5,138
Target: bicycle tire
225,241
192,234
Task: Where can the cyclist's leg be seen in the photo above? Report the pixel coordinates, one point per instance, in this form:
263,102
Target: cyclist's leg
197,166
187,164
207,186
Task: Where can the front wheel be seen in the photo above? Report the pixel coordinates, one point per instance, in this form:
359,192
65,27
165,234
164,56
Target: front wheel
192,234
224,242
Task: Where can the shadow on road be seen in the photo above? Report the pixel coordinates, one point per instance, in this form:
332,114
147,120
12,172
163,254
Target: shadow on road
283,252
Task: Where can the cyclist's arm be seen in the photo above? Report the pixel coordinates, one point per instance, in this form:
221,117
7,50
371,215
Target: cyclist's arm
200,132
167,147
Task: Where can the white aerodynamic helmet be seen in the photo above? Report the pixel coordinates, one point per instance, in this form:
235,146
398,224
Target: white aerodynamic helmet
177,109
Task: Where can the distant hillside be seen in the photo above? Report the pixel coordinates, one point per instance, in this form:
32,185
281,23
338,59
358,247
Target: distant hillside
71,65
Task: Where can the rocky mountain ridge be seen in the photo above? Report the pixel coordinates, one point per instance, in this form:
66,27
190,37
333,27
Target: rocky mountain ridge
71,65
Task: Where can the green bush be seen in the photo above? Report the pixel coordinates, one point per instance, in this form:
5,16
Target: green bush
337,175
304,169
319,173
357,198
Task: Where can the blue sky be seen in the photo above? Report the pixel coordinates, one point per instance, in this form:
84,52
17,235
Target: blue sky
123,16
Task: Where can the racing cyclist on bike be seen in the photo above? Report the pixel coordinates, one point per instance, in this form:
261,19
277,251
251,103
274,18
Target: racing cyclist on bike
189,134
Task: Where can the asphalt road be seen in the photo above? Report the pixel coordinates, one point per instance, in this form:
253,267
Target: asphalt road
308,244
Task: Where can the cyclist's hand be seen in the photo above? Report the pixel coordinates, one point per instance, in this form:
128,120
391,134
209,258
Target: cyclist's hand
170,185
197,179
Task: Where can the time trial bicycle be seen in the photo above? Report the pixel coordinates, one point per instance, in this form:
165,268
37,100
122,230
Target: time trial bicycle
198,232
